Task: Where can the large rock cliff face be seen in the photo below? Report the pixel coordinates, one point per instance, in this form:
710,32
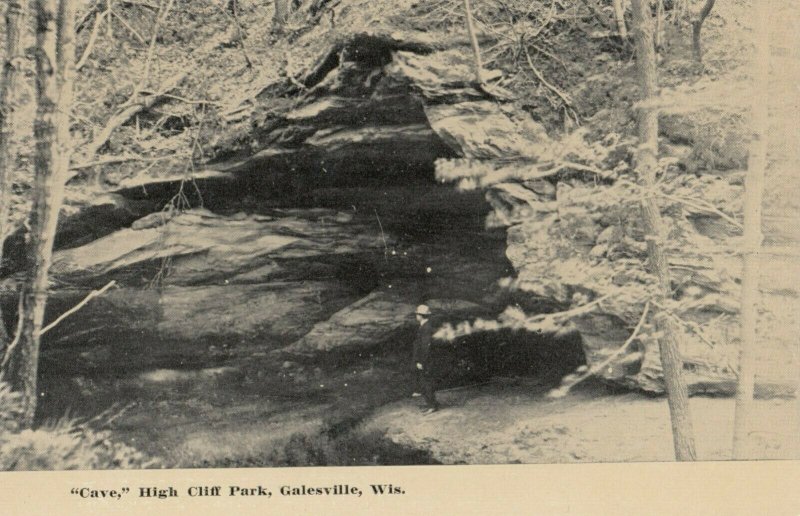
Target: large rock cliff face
321,225
323,236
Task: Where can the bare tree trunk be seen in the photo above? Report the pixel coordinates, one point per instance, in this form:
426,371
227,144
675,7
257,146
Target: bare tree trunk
646,164
619,15
753,194
11,83
55,60
473,38
281,14
234,8
697,26
66,56
659,35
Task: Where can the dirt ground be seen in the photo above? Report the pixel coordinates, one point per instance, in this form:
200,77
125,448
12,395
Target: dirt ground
505,423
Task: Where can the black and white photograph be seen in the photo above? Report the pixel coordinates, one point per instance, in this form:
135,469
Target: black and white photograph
304,233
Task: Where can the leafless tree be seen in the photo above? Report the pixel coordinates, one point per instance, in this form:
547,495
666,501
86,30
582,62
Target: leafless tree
9,85
753,194
646,165
619,15
473,38
697,26
55,66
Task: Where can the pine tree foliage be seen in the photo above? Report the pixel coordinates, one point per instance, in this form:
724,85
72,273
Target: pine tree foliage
575,236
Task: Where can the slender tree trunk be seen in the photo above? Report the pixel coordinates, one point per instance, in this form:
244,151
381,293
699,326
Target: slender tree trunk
110,21
473,38
281,14
234,7
55,57
66,56
619,15
646,164
659,34
753,194
697,26
10,84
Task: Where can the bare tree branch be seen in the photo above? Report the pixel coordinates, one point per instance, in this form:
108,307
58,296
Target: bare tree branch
597,369
163,11
563,96
127,25
98,19
130,110
93,294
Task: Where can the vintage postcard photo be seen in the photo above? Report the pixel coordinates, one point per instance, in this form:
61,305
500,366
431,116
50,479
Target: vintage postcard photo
293,233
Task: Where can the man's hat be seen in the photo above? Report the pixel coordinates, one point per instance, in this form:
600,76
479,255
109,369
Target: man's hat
423,310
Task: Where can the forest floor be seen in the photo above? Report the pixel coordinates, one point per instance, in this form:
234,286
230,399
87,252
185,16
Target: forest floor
504,421
502,424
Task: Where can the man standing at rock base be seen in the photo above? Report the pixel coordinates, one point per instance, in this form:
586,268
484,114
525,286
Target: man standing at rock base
423,377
